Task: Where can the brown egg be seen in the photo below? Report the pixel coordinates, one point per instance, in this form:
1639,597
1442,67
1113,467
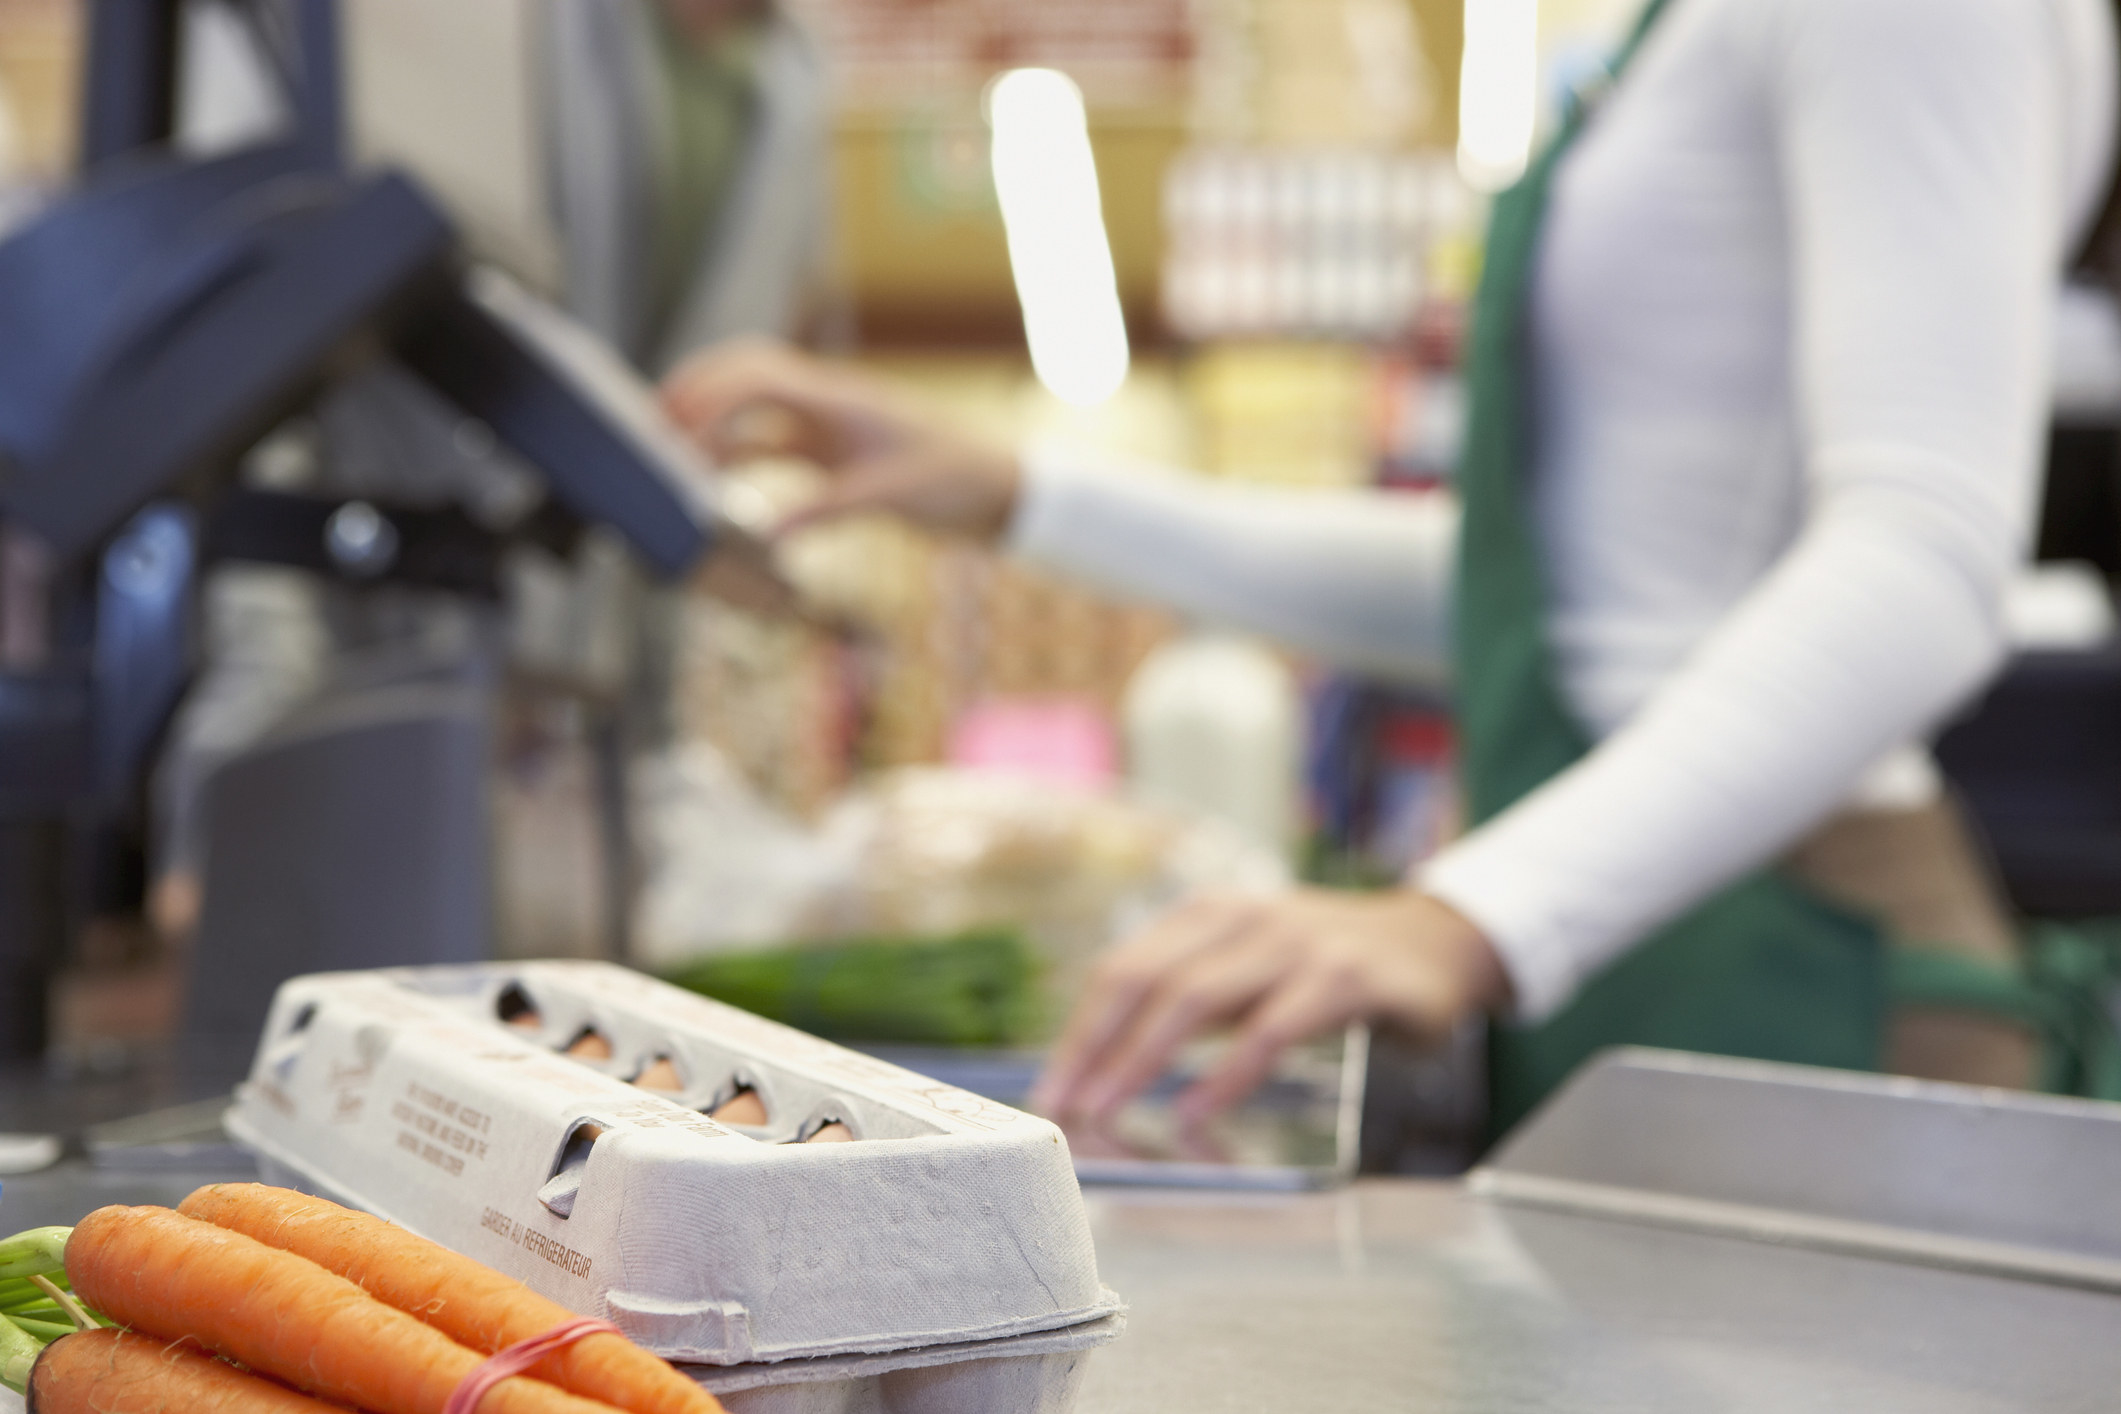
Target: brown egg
660,1075
515,1007
590,1045
744,1107
833,1133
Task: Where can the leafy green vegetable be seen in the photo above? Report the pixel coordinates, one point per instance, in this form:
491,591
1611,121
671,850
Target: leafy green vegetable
35,1305
18,1352
30,1308
38,1252
46,1331
974,989
14,1289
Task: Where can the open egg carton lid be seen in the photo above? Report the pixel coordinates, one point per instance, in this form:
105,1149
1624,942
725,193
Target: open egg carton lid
496,1109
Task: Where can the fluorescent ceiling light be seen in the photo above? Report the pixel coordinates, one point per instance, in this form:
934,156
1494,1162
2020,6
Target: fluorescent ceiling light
1498,86
1046,179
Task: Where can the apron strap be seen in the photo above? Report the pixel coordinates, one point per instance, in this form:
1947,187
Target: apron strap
2062,991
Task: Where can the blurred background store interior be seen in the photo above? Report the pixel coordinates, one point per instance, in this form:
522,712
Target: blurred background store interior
990,768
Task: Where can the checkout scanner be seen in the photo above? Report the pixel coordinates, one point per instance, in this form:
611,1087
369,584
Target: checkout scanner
158,322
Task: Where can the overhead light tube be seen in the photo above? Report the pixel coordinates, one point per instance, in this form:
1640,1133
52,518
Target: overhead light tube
1498,88
1046,179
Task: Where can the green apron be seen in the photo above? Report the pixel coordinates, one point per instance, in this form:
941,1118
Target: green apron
1766,968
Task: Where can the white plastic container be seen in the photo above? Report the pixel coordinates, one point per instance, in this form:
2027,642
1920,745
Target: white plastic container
1215,723
949,1237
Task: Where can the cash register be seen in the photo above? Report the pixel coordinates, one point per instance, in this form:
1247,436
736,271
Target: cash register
157,321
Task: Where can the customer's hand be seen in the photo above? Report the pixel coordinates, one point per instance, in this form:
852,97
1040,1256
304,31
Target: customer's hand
757,398
1280,969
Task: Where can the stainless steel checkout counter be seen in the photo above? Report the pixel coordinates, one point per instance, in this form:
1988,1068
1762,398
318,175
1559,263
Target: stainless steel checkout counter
1673,1233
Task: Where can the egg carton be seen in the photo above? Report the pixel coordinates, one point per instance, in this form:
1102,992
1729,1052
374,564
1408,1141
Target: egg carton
1025,1374
554,1121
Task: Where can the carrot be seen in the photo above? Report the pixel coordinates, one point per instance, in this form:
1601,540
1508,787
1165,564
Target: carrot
117,1372
171,1276
472,1304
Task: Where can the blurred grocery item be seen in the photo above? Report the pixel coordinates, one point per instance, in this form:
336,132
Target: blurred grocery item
922,249
889,52
1074,869
1342,71
1331,414
975,989
1382,782
919,853
954,849
1215,725
945,628
922,252
773,697
1286,414
1330,243
1421,417
1373,72
722,867
1065,740
1031,636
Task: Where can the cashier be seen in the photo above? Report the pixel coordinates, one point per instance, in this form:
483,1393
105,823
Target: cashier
1759,388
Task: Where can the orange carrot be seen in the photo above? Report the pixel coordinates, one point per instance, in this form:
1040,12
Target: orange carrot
472,1304
171,1276
117,1372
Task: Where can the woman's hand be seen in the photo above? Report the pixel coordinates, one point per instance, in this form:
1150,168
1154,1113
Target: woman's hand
760,399
1281,969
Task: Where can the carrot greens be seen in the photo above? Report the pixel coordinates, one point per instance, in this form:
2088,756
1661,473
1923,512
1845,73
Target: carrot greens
37,1303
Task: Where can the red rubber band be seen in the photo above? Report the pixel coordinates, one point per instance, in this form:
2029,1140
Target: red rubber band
519,1357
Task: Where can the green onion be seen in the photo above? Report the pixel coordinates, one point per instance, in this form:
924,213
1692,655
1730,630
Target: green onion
18,1352
38,1252
45,1331
36,1301
38,1311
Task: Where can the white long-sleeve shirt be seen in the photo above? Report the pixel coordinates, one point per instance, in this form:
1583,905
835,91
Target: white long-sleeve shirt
1791,318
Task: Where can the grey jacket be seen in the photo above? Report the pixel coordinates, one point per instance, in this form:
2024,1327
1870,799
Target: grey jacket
763,256
274,637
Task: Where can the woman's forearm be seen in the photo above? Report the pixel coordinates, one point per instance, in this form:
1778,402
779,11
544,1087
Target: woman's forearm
1355,579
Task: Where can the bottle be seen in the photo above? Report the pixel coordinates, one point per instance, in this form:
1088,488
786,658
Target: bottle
1214,724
